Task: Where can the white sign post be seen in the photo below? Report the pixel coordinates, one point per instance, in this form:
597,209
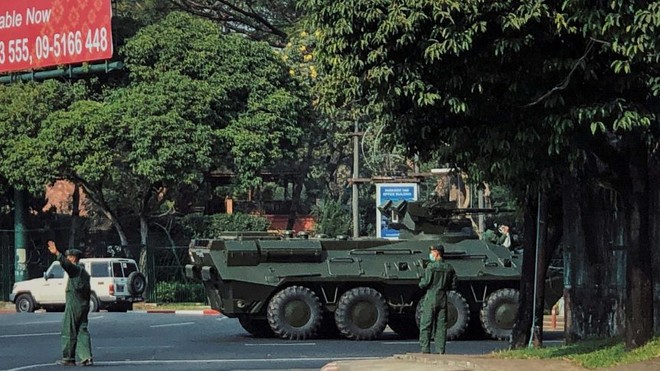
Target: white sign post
392,192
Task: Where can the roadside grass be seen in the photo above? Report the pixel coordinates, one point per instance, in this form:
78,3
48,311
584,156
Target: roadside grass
593,353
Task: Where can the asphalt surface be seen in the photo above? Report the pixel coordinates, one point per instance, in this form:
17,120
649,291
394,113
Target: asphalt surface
120,341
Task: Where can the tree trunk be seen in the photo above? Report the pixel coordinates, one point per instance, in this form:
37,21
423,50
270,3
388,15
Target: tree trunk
295,201
144,240
521,329
654,223
144,230
75,213
95,194
118,227
594,279
541,267
639,304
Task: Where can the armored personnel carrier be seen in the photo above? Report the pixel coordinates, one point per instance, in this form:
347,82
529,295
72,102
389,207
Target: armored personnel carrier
300,287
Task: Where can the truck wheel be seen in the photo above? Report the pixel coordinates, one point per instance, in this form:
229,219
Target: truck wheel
404,326
258,328
93,303
458,315
361,314
25,303
295,313
136,283
499,313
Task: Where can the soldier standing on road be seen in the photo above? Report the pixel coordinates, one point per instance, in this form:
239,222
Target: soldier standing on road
439,277
74,323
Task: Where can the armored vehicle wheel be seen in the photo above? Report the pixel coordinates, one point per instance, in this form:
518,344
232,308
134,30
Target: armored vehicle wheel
295,313
258,328
361,314
458,315
499,313
404,326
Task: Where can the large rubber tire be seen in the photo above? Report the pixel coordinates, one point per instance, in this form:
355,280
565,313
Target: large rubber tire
361,314
25,303
404,326
94,305
499,313
136,283
258,328
458,315
295,313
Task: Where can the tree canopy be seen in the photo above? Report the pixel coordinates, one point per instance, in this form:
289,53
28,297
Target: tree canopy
260,20
518,93
226,102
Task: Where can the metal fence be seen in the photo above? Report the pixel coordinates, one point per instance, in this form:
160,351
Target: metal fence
37,260
169,277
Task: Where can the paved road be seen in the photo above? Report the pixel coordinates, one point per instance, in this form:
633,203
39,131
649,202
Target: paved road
188,342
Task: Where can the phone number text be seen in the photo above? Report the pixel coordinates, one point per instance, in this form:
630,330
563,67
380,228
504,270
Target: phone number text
59,45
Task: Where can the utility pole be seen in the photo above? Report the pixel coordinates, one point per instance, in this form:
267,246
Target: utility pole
20,259
482,223
356,174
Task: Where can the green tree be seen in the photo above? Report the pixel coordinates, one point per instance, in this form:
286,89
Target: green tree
260,20
521,94
258,113
25,107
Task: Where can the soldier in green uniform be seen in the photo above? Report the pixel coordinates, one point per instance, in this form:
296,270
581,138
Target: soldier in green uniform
74,324
439,277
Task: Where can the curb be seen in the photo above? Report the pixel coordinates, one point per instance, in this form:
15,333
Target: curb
203,312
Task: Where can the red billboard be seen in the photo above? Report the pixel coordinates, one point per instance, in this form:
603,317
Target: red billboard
41,33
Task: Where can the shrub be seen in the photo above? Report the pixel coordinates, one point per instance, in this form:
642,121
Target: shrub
333,218
211,226
180,292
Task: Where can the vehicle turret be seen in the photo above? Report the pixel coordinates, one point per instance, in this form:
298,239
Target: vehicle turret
431,219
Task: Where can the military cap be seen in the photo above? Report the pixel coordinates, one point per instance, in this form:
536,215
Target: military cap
440,248
73,252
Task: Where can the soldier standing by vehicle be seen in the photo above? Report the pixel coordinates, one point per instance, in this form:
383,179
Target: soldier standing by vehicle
74,323
439,277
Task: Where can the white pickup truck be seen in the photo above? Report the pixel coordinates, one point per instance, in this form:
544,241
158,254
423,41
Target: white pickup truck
116,284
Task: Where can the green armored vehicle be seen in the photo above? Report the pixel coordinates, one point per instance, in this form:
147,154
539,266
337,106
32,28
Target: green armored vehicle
301,287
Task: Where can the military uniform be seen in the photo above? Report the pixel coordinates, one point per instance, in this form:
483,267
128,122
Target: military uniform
439,277
74,324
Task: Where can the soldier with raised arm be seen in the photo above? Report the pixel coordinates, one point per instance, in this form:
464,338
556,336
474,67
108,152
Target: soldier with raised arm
74,323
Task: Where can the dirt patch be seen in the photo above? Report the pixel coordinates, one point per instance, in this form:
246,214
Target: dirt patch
7,306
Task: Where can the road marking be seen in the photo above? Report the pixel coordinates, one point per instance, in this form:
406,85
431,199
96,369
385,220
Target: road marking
174,324
25,335
140,347
197,361
31,323
96,317
221,318
399,342
279,344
